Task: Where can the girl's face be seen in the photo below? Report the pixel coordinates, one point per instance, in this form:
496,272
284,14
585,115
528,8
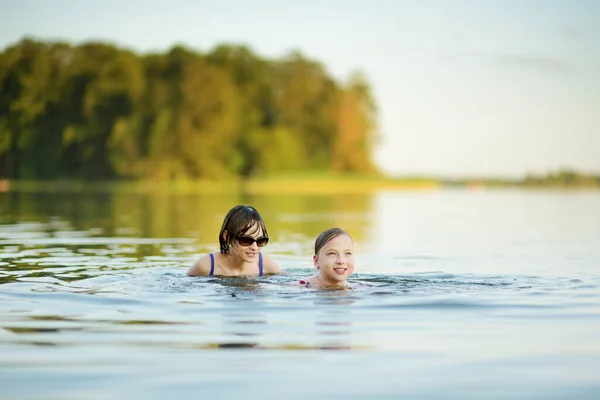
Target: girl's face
246,247
335,260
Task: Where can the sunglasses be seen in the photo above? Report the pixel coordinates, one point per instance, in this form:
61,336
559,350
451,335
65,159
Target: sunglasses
247,241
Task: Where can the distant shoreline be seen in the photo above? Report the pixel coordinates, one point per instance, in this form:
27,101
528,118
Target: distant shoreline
305,183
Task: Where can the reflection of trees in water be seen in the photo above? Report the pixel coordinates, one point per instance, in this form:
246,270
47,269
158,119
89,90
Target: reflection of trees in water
311,214
289,216
173,215
61,210
201,216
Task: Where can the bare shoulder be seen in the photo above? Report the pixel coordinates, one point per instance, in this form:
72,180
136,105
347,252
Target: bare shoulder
200,267
270,266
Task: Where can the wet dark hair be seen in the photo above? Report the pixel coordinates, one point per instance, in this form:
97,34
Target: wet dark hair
238,221
327,236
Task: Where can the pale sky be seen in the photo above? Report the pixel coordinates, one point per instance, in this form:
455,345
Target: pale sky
464,87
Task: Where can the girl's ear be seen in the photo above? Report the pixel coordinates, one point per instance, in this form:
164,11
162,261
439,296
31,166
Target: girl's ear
225,235
316,262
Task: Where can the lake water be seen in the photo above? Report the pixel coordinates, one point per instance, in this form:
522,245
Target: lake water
457,295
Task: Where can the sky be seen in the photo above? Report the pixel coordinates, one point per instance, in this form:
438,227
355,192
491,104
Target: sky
497,88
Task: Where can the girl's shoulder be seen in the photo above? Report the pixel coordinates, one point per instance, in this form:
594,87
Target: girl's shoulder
270,266
204,265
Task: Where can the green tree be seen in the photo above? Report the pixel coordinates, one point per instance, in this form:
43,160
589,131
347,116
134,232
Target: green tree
95,111
356,128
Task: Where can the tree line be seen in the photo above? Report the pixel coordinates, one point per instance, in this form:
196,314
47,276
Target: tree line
97,111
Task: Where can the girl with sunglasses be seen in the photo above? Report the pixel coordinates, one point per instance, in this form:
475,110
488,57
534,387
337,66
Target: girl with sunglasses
242,236
333,258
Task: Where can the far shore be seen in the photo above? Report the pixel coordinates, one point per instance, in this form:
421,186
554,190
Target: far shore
323,183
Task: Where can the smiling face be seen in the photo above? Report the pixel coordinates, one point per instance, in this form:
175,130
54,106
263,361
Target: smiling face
335,260
241,220
247,253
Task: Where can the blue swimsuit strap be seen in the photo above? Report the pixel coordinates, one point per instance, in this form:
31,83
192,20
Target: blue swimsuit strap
260,264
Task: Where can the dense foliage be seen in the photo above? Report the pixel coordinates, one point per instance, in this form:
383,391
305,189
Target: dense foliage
95,111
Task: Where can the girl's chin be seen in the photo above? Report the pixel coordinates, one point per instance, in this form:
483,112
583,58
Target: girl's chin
334,276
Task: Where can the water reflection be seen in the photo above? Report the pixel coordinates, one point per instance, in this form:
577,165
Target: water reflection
100,280
167,215
334,297
336,334
242,325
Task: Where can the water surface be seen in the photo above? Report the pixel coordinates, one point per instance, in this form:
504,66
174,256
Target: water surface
458,294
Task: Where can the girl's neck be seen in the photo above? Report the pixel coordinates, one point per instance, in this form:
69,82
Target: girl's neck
324,283
234,263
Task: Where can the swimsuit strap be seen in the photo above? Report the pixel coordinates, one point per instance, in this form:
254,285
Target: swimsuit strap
212,264
260,264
